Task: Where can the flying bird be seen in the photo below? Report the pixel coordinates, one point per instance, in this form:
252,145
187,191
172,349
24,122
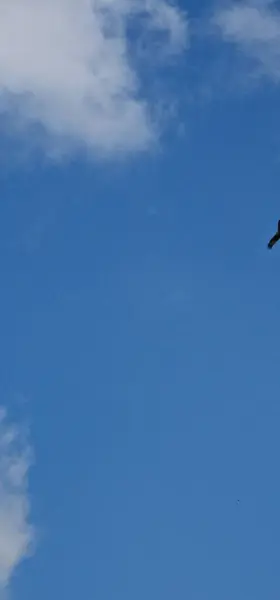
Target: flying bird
275,238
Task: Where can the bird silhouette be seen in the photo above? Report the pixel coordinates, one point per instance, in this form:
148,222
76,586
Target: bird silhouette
275,238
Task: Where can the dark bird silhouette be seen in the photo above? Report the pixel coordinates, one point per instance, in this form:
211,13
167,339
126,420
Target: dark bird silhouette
275,238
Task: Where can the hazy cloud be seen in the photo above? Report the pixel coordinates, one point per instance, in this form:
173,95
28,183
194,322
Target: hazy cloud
254,27
16,535
67,65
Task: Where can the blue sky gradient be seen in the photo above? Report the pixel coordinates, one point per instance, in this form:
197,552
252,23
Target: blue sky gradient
139,340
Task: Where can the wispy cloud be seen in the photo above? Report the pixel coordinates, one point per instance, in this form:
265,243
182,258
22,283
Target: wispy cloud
16,534
254,27
67,65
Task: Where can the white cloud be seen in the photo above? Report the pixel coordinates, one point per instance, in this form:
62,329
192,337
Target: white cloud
16,535
254,27
67,65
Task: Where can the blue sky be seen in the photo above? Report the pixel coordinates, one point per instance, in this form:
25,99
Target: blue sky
140,175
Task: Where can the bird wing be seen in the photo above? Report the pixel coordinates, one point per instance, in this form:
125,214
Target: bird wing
273,240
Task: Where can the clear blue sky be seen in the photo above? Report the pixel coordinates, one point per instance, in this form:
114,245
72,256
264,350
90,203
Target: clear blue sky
140,317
